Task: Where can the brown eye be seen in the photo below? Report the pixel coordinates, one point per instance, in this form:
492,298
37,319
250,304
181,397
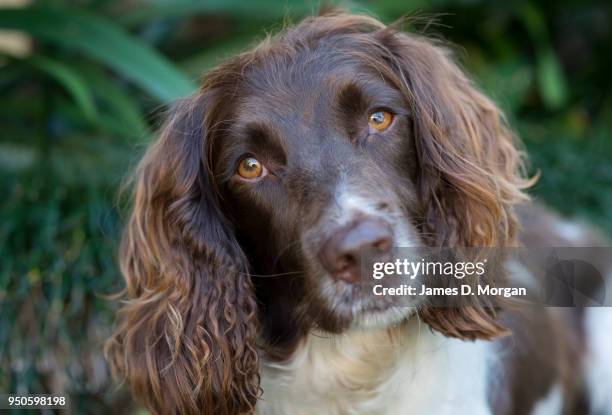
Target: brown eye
380,120
250,168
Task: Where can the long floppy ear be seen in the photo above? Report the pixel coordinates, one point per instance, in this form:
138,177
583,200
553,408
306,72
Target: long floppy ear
185,338
470,168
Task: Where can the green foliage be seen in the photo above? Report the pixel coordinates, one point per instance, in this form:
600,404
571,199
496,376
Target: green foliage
79,106
576,173
58,251
103,41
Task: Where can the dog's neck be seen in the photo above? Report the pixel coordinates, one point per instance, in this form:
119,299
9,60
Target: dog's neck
402,370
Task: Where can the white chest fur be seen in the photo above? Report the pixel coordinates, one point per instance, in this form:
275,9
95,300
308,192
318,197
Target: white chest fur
405,370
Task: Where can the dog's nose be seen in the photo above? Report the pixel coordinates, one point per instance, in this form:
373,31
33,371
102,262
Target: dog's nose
341,254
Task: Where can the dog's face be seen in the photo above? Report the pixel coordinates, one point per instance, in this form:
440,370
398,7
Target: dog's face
317,163
253,207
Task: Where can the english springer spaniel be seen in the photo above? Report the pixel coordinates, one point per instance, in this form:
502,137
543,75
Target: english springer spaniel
242,254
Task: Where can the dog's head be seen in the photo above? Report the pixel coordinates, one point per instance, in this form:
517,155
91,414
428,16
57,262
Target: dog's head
252,208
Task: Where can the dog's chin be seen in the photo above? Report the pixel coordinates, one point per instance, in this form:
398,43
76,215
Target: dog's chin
374,318
381,319
349,306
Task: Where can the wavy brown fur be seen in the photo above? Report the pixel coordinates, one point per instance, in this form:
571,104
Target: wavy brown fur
472,175
186,336
185,341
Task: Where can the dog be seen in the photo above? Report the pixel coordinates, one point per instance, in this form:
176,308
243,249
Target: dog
241,256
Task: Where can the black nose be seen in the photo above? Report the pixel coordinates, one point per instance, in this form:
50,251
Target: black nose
342,253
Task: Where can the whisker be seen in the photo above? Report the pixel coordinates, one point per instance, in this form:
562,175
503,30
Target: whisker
280,274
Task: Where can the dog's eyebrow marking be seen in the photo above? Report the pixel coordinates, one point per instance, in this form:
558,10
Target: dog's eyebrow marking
351,103
266,139
364,93
351,98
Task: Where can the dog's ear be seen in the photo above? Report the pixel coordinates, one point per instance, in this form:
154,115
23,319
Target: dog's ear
185,338
470,170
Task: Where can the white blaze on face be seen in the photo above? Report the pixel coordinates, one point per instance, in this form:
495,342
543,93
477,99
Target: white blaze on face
348,205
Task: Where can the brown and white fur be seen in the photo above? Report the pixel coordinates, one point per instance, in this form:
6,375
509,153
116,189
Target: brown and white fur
410,369
242,253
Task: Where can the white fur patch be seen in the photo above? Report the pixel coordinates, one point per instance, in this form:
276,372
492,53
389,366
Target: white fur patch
520,275
573,232
598,366
442,376
552,404
406,370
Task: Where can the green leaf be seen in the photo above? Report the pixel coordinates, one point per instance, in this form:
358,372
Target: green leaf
103,41
551,81
263,9
70,80
126,116
392,9
199,63
507,81
534,22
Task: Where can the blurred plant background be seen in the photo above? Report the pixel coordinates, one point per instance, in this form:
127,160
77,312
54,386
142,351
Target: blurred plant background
82,83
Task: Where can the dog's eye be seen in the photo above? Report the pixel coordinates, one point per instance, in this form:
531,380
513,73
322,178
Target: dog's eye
380,120
250,168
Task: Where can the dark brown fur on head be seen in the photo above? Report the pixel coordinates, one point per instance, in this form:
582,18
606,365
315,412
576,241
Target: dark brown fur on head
196,314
